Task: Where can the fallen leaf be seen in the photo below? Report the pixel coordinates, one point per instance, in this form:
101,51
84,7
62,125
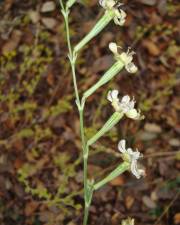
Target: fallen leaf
177,218
129,201
48,7
30,208
162,7
151,47
152,127
50,79
106,39
148,2
174,142
101,64
34,16
147,136
8,4
148,202
118,181
50,23
13,42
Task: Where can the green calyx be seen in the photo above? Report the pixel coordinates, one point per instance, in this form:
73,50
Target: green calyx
98,27
112,121
115,173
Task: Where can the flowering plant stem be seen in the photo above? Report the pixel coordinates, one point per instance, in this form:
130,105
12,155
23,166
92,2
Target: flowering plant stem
80,105
89,186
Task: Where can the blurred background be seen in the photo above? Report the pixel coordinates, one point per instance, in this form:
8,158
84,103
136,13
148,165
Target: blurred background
40,148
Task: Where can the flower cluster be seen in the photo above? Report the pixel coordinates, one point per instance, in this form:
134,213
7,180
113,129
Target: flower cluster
113,6
125,57
132,157
126,105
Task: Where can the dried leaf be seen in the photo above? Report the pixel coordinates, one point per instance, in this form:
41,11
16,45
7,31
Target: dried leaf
129,201
152,48
148,202
177,218
50,23
48,7
118,181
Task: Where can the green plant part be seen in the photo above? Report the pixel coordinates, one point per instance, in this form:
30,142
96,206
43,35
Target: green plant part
125,107
112,12
62,106
122,60
67,171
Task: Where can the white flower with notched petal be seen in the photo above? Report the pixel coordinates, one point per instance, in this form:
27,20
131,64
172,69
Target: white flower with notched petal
125,57
113,6
126,105
132,157
112,96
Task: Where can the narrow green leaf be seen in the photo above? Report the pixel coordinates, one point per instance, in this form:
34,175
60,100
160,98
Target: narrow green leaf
70,3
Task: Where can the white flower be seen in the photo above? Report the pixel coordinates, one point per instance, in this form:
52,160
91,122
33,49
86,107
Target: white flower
126,105
112,96
132,157
125,57
119,14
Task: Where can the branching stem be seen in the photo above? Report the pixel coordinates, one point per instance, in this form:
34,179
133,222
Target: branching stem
80,105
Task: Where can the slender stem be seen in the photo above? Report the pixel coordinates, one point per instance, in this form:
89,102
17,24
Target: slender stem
61,3
75,83
68,33
85,154
72,59
86,214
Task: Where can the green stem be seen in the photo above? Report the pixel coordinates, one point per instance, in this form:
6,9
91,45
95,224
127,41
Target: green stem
61,4
72,58
119,170
86,214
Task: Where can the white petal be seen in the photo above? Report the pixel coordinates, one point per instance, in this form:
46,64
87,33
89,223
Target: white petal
109,96
142,172
102,3
123,14
119,18
130,151
122,146
131,104
131,67
125,99
126,58
113,47
134,169
136,155
110,4
114,94
133,114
